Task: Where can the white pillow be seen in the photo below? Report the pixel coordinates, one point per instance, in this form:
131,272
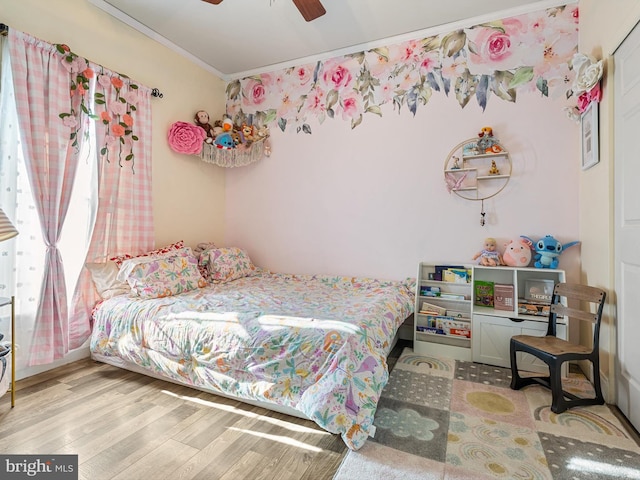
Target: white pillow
104,277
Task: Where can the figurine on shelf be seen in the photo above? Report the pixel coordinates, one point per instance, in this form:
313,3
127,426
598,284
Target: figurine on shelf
494,168
489,256
455,165
487,143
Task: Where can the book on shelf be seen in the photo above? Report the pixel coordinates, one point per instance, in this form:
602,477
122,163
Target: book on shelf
452,296
460,332
429,291
458,314
483,293
430,308
439,270
445,325
456,275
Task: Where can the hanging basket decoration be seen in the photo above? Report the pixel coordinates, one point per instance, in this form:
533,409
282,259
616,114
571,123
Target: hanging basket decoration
235,157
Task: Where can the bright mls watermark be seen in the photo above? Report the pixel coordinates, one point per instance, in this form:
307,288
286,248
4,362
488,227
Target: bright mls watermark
49,467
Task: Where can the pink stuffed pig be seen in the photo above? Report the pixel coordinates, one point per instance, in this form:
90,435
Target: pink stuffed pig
517,253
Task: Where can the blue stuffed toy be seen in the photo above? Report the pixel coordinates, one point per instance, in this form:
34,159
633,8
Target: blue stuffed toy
548,249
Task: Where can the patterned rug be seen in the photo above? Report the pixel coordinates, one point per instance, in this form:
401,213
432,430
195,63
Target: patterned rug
446,419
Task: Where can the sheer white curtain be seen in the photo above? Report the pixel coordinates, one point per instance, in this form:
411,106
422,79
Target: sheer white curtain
22,257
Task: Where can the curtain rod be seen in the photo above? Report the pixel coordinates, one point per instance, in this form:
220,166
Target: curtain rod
4,29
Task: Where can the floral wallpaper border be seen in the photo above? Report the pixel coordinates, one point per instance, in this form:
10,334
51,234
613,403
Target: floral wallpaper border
524,53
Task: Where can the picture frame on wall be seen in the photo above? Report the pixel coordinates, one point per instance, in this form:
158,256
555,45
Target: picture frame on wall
589,130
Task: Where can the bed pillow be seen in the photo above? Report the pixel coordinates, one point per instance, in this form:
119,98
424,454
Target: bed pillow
227,264
104,276
168,250
170,274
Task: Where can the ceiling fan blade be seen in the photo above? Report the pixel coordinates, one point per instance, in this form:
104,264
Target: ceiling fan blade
310,9
215,2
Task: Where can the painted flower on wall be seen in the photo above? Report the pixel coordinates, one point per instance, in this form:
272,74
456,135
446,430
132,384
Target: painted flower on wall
528,52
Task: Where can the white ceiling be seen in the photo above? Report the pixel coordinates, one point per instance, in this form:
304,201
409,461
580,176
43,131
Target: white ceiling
238,38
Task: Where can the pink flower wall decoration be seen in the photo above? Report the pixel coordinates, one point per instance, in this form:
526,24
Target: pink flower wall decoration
186,138
483,62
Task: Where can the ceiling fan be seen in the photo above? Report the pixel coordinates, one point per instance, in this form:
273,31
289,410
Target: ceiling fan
310,9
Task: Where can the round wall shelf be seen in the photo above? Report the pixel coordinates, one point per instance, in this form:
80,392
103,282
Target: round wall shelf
477,169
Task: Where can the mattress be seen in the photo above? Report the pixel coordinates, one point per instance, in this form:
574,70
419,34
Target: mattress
314,344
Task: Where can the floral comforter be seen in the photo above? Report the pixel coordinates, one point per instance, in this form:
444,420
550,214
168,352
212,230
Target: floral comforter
317,344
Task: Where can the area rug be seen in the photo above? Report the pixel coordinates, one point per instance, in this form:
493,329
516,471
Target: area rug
443,419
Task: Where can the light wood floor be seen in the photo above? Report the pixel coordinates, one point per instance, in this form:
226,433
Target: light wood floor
126,426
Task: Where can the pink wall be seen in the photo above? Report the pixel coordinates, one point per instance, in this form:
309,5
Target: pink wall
372,201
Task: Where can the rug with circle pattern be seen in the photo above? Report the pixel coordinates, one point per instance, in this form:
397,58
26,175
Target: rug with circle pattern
464,417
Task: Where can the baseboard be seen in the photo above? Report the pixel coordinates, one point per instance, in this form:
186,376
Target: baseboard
73,356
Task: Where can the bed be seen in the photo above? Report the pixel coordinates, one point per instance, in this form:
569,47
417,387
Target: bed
310,345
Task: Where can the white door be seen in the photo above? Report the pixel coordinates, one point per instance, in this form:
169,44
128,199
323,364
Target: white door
627,224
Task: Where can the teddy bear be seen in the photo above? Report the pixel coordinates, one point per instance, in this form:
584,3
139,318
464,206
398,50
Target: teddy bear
247,132
489,256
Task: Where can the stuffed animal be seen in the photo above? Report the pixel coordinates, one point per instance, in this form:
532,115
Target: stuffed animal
489,256
247,133
486,142
202,120
548,249
517,252
227,125
263,131
224,141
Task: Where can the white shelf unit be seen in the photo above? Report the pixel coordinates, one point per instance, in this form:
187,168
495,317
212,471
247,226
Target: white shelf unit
492,328
425,343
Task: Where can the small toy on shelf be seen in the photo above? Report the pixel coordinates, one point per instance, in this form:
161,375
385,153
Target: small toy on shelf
517,252
456,165
487,143
494,168
548,249
489,256
454,181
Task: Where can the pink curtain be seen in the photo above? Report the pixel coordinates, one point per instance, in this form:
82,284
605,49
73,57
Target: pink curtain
124,218
51,146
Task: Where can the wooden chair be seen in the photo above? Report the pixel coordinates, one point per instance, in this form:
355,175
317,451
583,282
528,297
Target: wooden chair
555,351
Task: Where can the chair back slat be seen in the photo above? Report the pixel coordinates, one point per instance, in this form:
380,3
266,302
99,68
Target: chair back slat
574,313
583,293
